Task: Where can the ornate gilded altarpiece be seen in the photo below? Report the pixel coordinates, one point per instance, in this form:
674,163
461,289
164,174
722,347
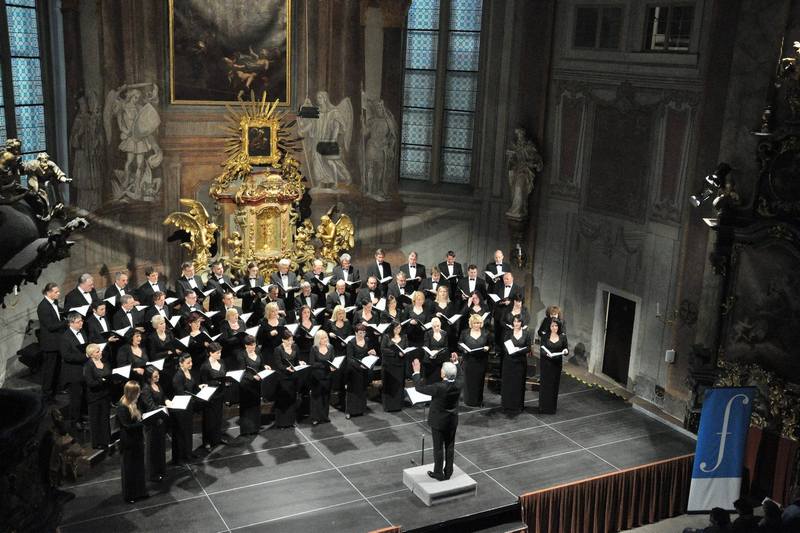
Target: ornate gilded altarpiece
257,200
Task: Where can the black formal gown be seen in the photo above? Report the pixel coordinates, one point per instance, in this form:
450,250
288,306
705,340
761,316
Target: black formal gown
154,432
415,333
357,378
98,386
474,366
125,356
339,348
267,341
250,394
468,310
451,330
212,409
432,364
285,406
544,327
197,349
304,340
508,321
132,445
515,369
393,369
158,348
372,336
321,383
182,419
232,343
550,375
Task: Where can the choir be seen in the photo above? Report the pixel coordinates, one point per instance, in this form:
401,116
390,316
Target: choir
298,341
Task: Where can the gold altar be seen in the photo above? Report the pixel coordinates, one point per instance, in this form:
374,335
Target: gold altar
257,200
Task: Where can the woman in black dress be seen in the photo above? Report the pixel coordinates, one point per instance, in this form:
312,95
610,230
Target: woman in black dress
232,331
212,374
97,376
392,313
339,329
415,315
161,345
183,383
198,340
367,315
304,336
515,367
475,306
250,388
556,344
153,398
445,309
358,377
516,310
437,352
393,367
135,355
269,334
321,371
129,419
284,359
552,311
475,357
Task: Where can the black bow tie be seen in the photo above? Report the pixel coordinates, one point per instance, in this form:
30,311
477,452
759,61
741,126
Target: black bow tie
84,292
508,286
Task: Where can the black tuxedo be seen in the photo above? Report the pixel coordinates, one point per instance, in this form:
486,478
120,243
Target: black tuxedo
372,270
427,286
363,293
182,286
150,312
480,287
75,298
419,274
249,296
220,287
394,290
457,269
51,328
332,300
300,301
121,321
442,418
113,290
316,284
352,275
291,278
73,357
516,291
145,292
93,328
492,267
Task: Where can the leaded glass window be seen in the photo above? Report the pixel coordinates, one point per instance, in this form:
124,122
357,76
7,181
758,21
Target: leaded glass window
440,90
22,100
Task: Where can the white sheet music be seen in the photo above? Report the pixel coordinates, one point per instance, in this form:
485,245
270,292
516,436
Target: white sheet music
245,316
265,373
124,371
381,305
180,402
206,393
111,299
337,361
157,364
154,412
253,331
494,297
235,375
122,332
185,340
171,300
554,355
511,349
174,320
82,310
417,397
369,361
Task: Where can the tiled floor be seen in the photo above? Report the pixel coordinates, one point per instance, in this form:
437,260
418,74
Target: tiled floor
347,475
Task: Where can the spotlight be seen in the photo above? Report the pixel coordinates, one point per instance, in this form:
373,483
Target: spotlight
712,184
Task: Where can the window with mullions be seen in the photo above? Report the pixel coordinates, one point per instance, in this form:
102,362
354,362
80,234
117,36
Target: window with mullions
440,90
669,28
22,105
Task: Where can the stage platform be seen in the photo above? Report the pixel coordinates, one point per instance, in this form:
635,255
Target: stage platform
348,475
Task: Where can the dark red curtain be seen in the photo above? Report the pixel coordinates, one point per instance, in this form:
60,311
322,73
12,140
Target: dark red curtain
612,502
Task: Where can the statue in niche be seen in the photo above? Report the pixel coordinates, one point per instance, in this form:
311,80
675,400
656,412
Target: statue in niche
325,139
133,106
86,142
379,132
524,164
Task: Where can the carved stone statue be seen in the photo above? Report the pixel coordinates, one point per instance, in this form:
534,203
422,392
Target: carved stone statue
86,144
325,139
133,106
524,164
379,132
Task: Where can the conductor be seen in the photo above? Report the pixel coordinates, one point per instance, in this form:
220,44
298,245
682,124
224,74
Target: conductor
443,414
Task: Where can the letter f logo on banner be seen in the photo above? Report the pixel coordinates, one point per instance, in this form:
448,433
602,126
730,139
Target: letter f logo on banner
719,456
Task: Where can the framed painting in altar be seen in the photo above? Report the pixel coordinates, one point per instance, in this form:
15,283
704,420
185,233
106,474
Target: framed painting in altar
221,51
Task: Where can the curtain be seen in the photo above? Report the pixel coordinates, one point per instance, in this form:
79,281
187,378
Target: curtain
612,502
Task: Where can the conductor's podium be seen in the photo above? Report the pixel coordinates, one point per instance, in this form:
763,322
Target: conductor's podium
432,492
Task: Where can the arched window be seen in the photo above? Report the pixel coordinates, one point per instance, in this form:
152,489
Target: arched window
22,99
440,90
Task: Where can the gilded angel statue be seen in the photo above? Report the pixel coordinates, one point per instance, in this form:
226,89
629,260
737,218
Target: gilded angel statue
335,236
200,230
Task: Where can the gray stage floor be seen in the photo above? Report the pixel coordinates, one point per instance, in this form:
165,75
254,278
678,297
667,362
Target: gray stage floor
347,475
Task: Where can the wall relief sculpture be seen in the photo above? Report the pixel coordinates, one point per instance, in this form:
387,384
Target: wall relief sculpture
325,141
379,149
525,163
86,146
133,109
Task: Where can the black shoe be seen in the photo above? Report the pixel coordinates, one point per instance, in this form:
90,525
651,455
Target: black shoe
224,442
435,475
315,422
347,416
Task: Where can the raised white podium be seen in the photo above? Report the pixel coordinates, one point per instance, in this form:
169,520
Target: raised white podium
431,491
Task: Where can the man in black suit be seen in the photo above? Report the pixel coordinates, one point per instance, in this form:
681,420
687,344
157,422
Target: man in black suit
442,414
187,307
415,272
315,278
51,326
380,268
153,285
72,347
286,282
371,292
347,272
507,291
116,290
218,281
250,295
189,281
83,294
339,296
159,307
305,297
497,267
97,323
472,283
400,290
127,316
272,297
430,285
451,271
